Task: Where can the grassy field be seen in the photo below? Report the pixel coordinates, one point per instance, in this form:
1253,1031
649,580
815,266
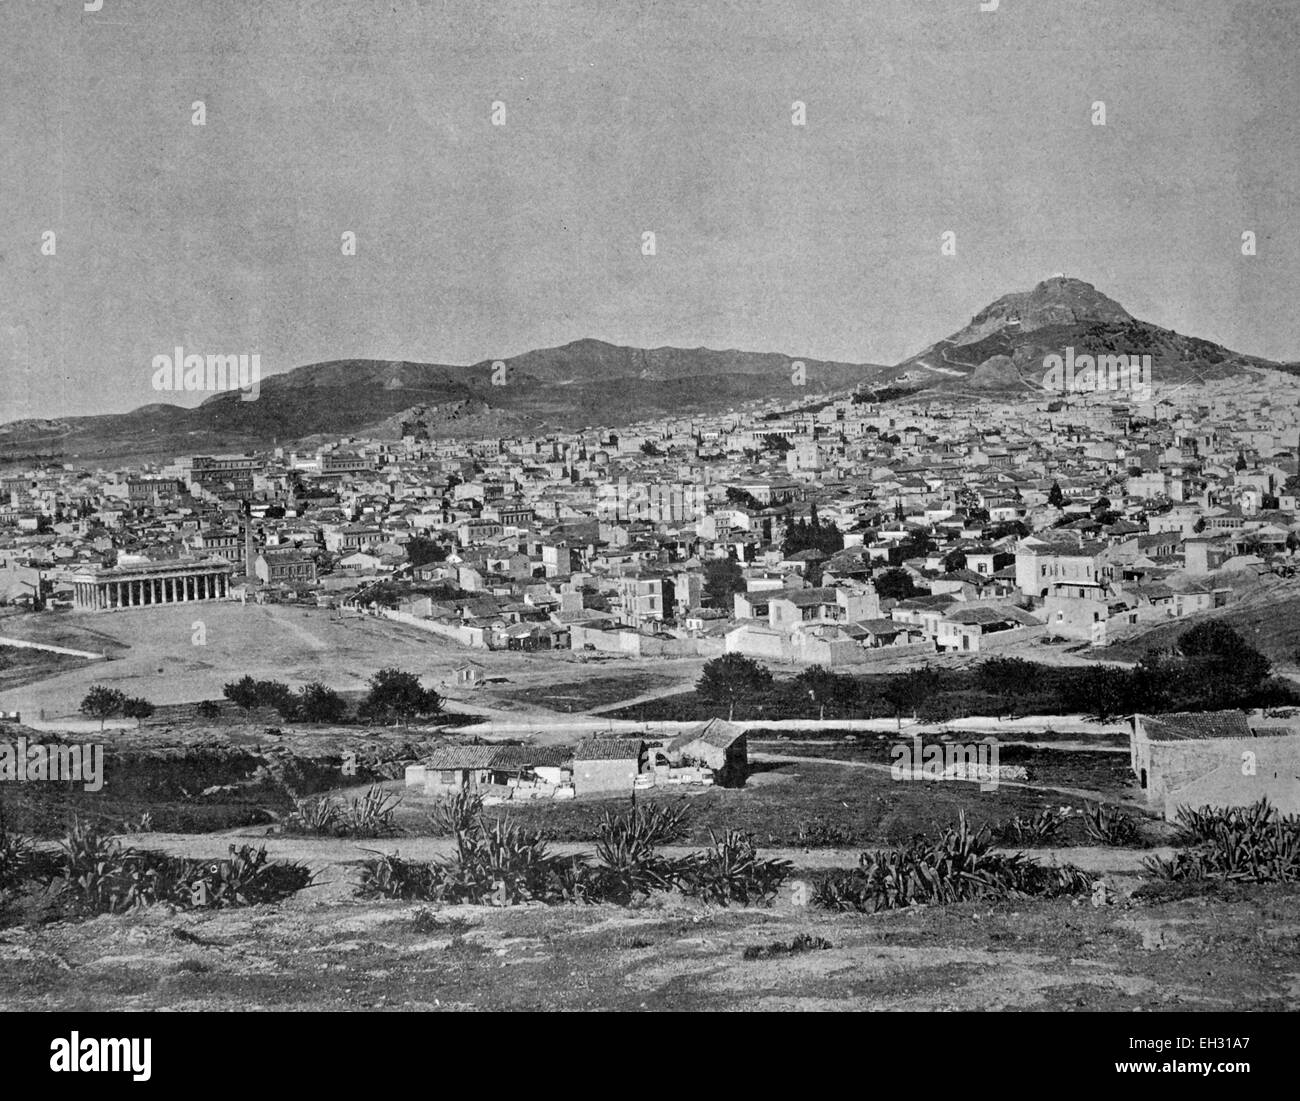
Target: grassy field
20,666
810,802
584,694
324,950
1272,627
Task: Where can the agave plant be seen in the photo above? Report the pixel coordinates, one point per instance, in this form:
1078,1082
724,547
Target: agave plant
732,872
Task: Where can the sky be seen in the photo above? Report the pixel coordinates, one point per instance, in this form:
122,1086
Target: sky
478,241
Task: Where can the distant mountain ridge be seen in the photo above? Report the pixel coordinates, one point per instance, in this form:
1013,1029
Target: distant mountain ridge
584,383
589,382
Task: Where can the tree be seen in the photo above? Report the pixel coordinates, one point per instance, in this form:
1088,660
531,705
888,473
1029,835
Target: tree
421,550
137,707
894,584
102,702
824,687
955,560
722,578
1006,676
1225,660
398,696
907,691
242,693
1055,497
248,693
732,678
318,704
744,499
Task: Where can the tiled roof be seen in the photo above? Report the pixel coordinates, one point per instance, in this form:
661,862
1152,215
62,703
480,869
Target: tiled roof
609,749
716,732
463,756
1189,725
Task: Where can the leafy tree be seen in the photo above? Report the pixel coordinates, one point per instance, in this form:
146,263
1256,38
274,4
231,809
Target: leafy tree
825,688
242,693
908,691
398,696
722,578
102,702
744,499
955,561
209,709
421,551
1101,690
1055,497
894,584
733,678
317,703
137,707
772,441
1007,676
810,534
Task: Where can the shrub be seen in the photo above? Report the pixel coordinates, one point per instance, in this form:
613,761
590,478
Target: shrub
369,816
16,856
1253,844
804,942
955,866
731,872
1039,830
101,876
818,834
1109,826
137,708
389,876
628,865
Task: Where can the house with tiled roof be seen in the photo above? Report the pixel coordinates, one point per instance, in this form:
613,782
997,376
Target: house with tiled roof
1215,758
716,744
608,765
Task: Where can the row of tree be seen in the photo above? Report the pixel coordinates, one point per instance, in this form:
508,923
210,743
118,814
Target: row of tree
1209,668
394,696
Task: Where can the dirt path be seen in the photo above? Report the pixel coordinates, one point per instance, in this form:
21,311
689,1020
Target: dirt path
336,855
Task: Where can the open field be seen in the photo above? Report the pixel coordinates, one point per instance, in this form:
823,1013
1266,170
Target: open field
1234,949
20,666
797,801
159,659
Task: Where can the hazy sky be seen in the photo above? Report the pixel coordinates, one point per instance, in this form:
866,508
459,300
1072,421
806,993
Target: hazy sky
476,241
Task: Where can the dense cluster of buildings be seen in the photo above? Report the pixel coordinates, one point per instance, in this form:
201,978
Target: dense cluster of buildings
995,523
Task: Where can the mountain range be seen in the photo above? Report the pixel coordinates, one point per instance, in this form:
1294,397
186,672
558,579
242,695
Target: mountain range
593,383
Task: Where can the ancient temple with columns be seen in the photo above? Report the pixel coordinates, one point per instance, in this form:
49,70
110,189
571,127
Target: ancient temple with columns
135,586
